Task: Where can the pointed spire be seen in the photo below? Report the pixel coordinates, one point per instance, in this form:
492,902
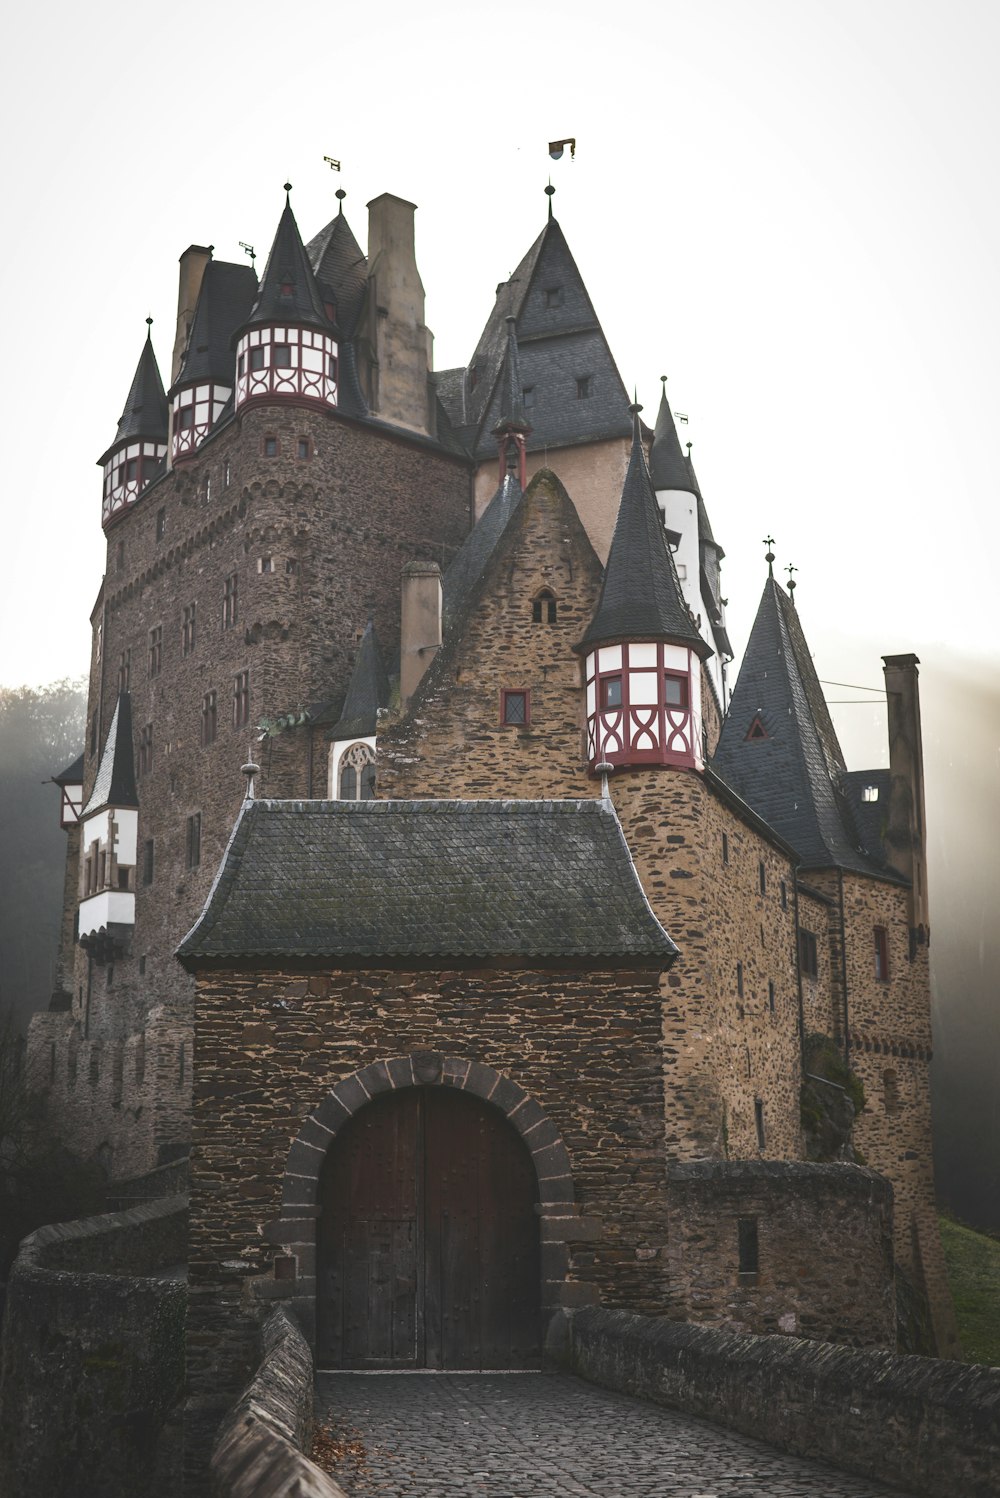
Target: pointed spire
114,784
367,691
341,269
145,413
550,193
667,463
641,598
288,290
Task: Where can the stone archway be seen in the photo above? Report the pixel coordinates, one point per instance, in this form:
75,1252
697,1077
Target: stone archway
296,1228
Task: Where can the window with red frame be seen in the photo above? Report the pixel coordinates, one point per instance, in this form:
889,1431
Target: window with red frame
515,708
881,954
675,690
611,691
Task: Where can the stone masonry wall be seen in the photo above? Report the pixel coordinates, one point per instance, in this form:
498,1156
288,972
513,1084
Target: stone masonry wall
926,1426
823,1235
315,545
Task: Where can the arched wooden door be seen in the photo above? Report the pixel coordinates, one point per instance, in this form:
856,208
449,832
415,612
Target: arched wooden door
428,1238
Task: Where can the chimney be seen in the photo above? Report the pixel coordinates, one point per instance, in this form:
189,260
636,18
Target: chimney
192,262
395,316
420,632
904,835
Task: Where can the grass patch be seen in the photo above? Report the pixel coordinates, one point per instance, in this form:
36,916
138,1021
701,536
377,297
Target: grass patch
973,1261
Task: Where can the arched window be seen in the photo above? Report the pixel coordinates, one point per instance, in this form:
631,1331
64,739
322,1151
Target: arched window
543,608
357,773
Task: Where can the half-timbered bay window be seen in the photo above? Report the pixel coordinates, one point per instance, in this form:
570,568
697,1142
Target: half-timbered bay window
300,363
196,410
644,704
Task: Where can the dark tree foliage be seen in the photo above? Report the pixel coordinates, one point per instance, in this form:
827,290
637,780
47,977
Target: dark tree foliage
41,732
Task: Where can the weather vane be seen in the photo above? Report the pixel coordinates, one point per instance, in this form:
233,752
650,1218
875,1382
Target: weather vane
332,163
557,147
248,249
769,555
791,581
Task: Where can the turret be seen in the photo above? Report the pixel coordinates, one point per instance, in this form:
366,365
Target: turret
108,843
642,651
286,349
352,739
513,428
207,368
138,452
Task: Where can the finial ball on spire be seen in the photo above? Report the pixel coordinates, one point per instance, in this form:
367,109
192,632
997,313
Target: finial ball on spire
149,322
634,408
340,193
288,187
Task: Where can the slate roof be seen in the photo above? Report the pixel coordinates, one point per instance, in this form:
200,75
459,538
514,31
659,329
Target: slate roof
869,817
288,265
225,299
146,411
367,691
641,597
793,777
115,782
378,880
470,561
342,268
72,775
668,466
512,417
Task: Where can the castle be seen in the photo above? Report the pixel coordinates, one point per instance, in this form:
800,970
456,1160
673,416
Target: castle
535,962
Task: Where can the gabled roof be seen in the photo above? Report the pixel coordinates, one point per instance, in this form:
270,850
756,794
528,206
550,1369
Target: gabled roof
145,413
115,782
375,880
559,342
288,266
227,295
72,775
792,777
367,691
470,561
341,268
641,597
668,466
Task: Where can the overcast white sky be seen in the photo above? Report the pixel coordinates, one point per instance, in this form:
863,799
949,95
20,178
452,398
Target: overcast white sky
788,206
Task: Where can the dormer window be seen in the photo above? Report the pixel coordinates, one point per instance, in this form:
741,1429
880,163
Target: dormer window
287,289
528,397
584,387
553,296
756,731
869,793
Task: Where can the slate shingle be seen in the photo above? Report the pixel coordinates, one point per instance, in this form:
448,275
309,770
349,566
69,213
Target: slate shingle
115,781
367,691
387,879
145,413
227,294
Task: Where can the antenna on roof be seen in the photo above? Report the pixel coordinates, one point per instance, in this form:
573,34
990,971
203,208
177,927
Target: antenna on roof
769,555
248,249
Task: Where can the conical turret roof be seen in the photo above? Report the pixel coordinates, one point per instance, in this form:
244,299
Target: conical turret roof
288,290
227,295
641,597
668,465
145,413
512,417
115,781
367,691
342,269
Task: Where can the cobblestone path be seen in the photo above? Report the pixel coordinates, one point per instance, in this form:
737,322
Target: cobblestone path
543,1435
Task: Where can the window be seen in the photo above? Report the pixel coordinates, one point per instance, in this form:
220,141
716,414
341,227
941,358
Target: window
881,954
132,471
553,296
287,288
270,447
124,670
869,793
241,699
257,358
543,608
291,565
304,447
185,418
226,472
230,605
584,387
770,995
675,690
762,877
281,355
146,749
739,979
725,847
756,730
758,1118
611,691
528,397
265,564
147,861
332,368
188,631
748,1246
194,840
514,708
357,773
784,895
209,721
161,524
206,488
808,956
890,1091
155,650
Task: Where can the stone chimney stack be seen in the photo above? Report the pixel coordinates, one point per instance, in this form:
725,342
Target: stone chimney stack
394,318
420,633
192,262
905,835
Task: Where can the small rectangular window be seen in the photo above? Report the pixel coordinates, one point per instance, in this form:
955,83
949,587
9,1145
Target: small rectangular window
257,358
209,718
147,861
155,650
758,1118
869,793
241,699
584,387
161,523
675,690
739,979
528,397
881,954
265,564
188,631
611,691
514,708
303,447
226,474
281,355
770,996
230,600
194,840
553,296
185,418
748,1246
808,954
270,447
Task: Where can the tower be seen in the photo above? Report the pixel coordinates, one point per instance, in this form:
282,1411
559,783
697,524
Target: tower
203,386
109,843
137,454
642,651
